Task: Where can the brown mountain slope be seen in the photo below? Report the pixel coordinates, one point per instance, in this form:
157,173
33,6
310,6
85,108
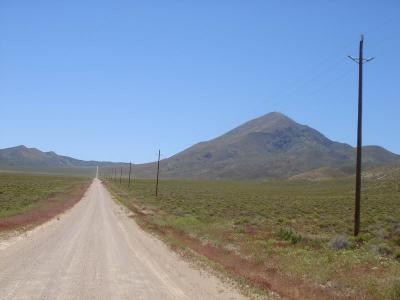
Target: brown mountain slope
271,146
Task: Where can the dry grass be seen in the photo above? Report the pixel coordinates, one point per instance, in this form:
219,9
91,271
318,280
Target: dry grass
27,200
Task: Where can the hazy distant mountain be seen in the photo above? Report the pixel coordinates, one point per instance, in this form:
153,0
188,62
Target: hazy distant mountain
32,159
272,146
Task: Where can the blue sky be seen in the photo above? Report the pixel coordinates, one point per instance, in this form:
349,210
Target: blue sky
116,80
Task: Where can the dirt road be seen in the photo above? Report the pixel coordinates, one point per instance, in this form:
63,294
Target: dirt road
95,251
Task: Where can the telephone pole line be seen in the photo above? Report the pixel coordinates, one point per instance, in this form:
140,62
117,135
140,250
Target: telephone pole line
158,171
360,61
129,180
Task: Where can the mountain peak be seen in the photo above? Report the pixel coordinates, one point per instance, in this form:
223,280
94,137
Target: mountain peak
266,123
20,147
273,118
275,114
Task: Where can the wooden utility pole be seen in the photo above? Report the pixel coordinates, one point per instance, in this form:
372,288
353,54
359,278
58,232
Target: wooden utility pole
120,177
129,180
158,171
360,61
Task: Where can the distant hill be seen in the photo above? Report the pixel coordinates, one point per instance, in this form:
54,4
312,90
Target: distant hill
271,146
22,158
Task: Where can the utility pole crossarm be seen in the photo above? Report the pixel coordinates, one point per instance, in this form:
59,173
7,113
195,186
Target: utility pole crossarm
353,58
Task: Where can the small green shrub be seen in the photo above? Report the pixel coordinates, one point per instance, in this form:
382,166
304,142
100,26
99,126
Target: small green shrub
384,249
288,234
241,220
363,238
185,224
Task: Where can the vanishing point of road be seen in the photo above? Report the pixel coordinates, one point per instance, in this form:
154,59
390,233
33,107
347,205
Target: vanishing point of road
96,251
